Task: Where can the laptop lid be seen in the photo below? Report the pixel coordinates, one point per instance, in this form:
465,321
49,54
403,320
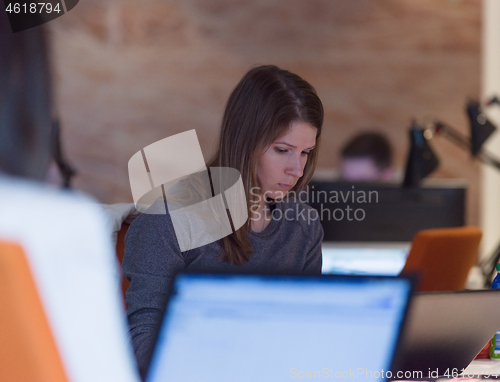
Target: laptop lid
445,331
273,328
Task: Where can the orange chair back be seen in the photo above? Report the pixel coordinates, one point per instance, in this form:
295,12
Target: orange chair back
120,252
443,257
28,352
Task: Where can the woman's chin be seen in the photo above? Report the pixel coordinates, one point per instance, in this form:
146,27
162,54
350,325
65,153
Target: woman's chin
276,195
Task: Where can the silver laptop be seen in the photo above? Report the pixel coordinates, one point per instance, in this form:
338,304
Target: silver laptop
241,328
444,331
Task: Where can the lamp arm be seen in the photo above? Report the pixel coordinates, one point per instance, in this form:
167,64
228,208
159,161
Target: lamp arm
486,157
453,135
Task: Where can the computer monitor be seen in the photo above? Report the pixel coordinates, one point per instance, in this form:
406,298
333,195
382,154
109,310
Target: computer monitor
226,328
351,212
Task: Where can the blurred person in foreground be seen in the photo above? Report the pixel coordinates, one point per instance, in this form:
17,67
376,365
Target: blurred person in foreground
62,234
367,157
25,103
30,144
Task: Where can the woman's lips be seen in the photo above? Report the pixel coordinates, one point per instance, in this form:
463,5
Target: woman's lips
285,186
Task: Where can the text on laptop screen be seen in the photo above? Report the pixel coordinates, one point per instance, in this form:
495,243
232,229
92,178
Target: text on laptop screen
255,328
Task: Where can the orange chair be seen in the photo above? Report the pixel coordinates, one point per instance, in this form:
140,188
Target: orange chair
28,352
443,257
120,252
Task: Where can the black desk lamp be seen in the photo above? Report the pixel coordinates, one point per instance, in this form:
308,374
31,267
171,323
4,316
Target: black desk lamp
422,160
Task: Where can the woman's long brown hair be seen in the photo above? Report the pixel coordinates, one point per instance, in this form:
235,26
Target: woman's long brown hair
260,109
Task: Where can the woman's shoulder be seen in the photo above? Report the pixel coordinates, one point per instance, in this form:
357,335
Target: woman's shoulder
151,234
153,218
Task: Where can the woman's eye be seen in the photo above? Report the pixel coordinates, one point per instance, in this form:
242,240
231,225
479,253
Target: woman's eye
280,151
306,153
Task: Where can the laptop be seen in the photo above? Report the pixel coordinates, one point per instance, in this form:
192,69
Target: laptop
220,328
445,331
364,258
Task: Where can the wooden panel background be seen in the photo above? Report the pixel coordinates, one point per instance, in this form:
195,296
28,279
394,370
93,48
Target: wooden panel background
129,73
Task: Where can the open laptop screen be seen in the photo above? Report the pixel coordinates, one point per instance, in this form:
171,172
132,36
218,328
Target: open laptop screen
364,258
276,328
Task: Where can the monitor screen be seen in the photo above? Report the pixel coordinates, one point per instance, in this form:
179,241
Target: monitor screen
364,258
352,212
276,328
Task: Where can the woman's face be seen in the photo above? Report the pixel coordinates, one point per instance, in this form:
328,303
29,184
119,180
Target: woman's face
282,164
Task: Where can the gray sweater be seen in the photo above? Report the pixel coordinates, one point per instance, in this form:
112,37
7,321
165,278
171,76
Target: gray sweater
290,244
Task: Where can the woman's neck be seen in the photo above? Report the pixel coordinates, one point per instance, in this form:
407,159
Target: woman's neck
261,216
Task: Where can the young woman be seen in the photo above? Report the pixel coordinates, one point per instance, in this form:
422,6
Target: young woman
270,133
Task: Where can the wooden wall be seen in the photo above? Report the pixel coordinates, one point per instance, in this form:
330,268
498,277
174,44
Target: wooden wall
129,73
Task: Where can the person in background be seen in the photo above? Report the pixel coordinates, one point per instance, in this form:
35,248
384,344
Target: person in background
367,158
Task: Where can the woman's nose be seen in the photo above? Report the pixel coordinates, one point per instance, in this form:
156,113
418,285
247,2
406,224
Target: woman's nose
295,167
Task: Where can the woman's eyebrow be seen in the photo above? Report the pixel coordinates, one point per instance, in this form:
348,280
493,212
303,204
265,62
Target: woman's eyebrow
292,146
